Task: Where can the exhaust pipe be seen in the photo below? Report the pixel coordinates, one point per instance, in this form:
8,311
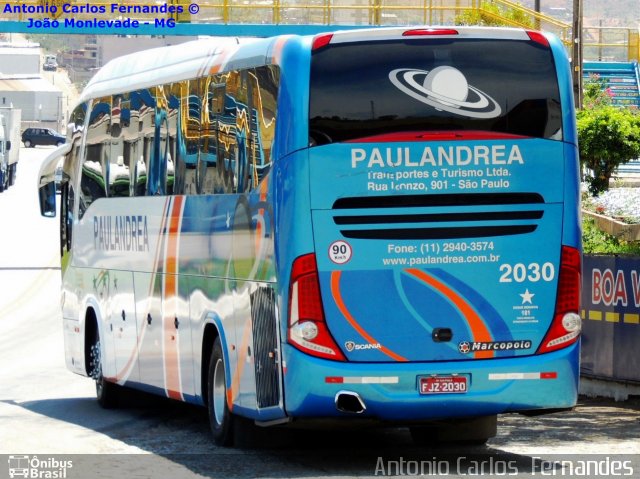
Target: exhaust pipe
349,402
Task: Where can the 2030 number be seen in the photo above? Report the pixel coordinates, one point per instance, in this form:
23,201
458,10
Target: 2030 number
521,272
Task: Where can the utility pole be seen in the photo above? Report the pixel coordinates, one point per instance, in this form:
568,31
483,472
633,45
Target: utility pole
577,52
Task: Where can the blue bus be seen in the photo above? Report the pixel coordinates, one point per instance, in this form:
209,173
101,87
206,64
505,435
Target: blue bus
378,226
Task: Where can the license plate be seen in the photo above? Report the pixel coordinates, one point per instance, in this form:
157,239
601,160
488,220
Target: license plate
443,385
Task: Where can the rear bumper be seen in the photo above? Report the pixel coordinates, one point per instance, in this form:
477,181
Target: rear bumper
390,390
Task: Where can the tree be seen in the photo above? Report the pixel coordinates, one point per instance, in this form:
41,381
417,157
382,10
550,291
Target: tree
492,15
607,137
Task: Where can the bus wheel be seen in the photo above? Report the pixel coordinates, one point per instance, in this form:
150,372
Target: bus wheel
220,418
106,392
470,432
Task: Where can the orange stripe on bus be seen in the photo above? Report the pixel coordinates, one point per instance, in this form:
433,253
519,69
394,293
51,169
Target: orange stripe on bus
171,352
337,297
479,329
264,187
276,56
219,61
230,399
242,360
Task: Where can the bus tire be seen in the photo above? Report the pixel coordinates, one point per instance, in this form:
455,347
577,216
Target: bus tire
220,417
470,432
107,393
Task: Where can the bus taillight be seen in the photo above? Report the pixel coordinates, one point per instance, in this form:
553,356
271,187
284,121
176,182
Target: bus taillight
320,41
308,330
566,326
429,31
538,38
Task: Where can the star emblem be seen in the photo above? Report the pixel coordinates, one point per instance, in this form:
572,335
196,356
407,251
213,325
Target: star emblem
527,297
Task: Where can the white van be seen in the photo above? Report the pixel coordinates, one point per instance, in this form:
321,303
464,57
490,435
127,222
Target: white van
50,63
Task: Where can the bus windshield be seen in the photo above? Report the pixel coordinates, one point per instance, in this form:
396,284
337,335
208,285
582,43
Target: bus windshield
463,85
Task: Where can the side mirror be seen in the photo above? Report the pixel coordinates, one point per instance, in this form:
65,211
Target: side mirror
47,196
8,145
47,181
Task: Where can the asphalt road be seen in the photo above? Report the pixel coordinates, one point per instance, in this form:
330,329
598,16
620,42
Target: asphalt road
51,414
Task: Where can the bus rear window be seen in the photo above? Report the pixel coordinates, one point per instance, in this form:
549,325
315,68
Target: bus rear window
361,90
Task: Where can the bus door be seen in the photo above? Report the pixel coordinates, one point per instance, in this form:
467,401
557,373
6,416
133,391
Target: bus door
163,316
148,292
122,317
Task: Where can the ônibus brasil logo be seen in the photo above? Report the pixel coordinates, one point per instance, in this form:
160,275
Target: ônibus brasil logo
27,466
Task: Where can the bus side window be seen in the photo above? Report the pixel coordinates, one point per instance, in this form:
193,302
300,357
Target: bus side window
135,141
129,139
191,131
243,135
208,140
265,102
158,144
66,216
94,168
118,158
228,125
175,176
68,176
217,109
146,131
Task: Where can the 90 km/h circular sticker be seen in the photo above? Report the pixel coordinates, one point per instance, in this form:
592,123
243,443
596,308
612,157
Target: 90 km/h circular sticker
340,252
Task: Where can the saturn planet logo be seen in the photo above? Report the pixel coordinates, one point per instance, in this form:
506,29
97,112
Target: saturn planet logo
445,88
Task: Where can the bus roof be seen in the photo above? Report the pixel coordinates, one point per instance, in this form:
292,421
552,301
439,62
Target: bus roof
192,59
404,32
167,64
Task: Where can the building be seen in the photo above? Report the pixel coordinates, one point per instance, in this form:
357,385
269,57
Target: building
20,59
112,46
39,100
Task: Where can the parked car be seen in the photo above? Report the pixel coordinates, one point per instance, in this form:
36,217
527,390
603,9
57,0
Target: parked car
41,136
